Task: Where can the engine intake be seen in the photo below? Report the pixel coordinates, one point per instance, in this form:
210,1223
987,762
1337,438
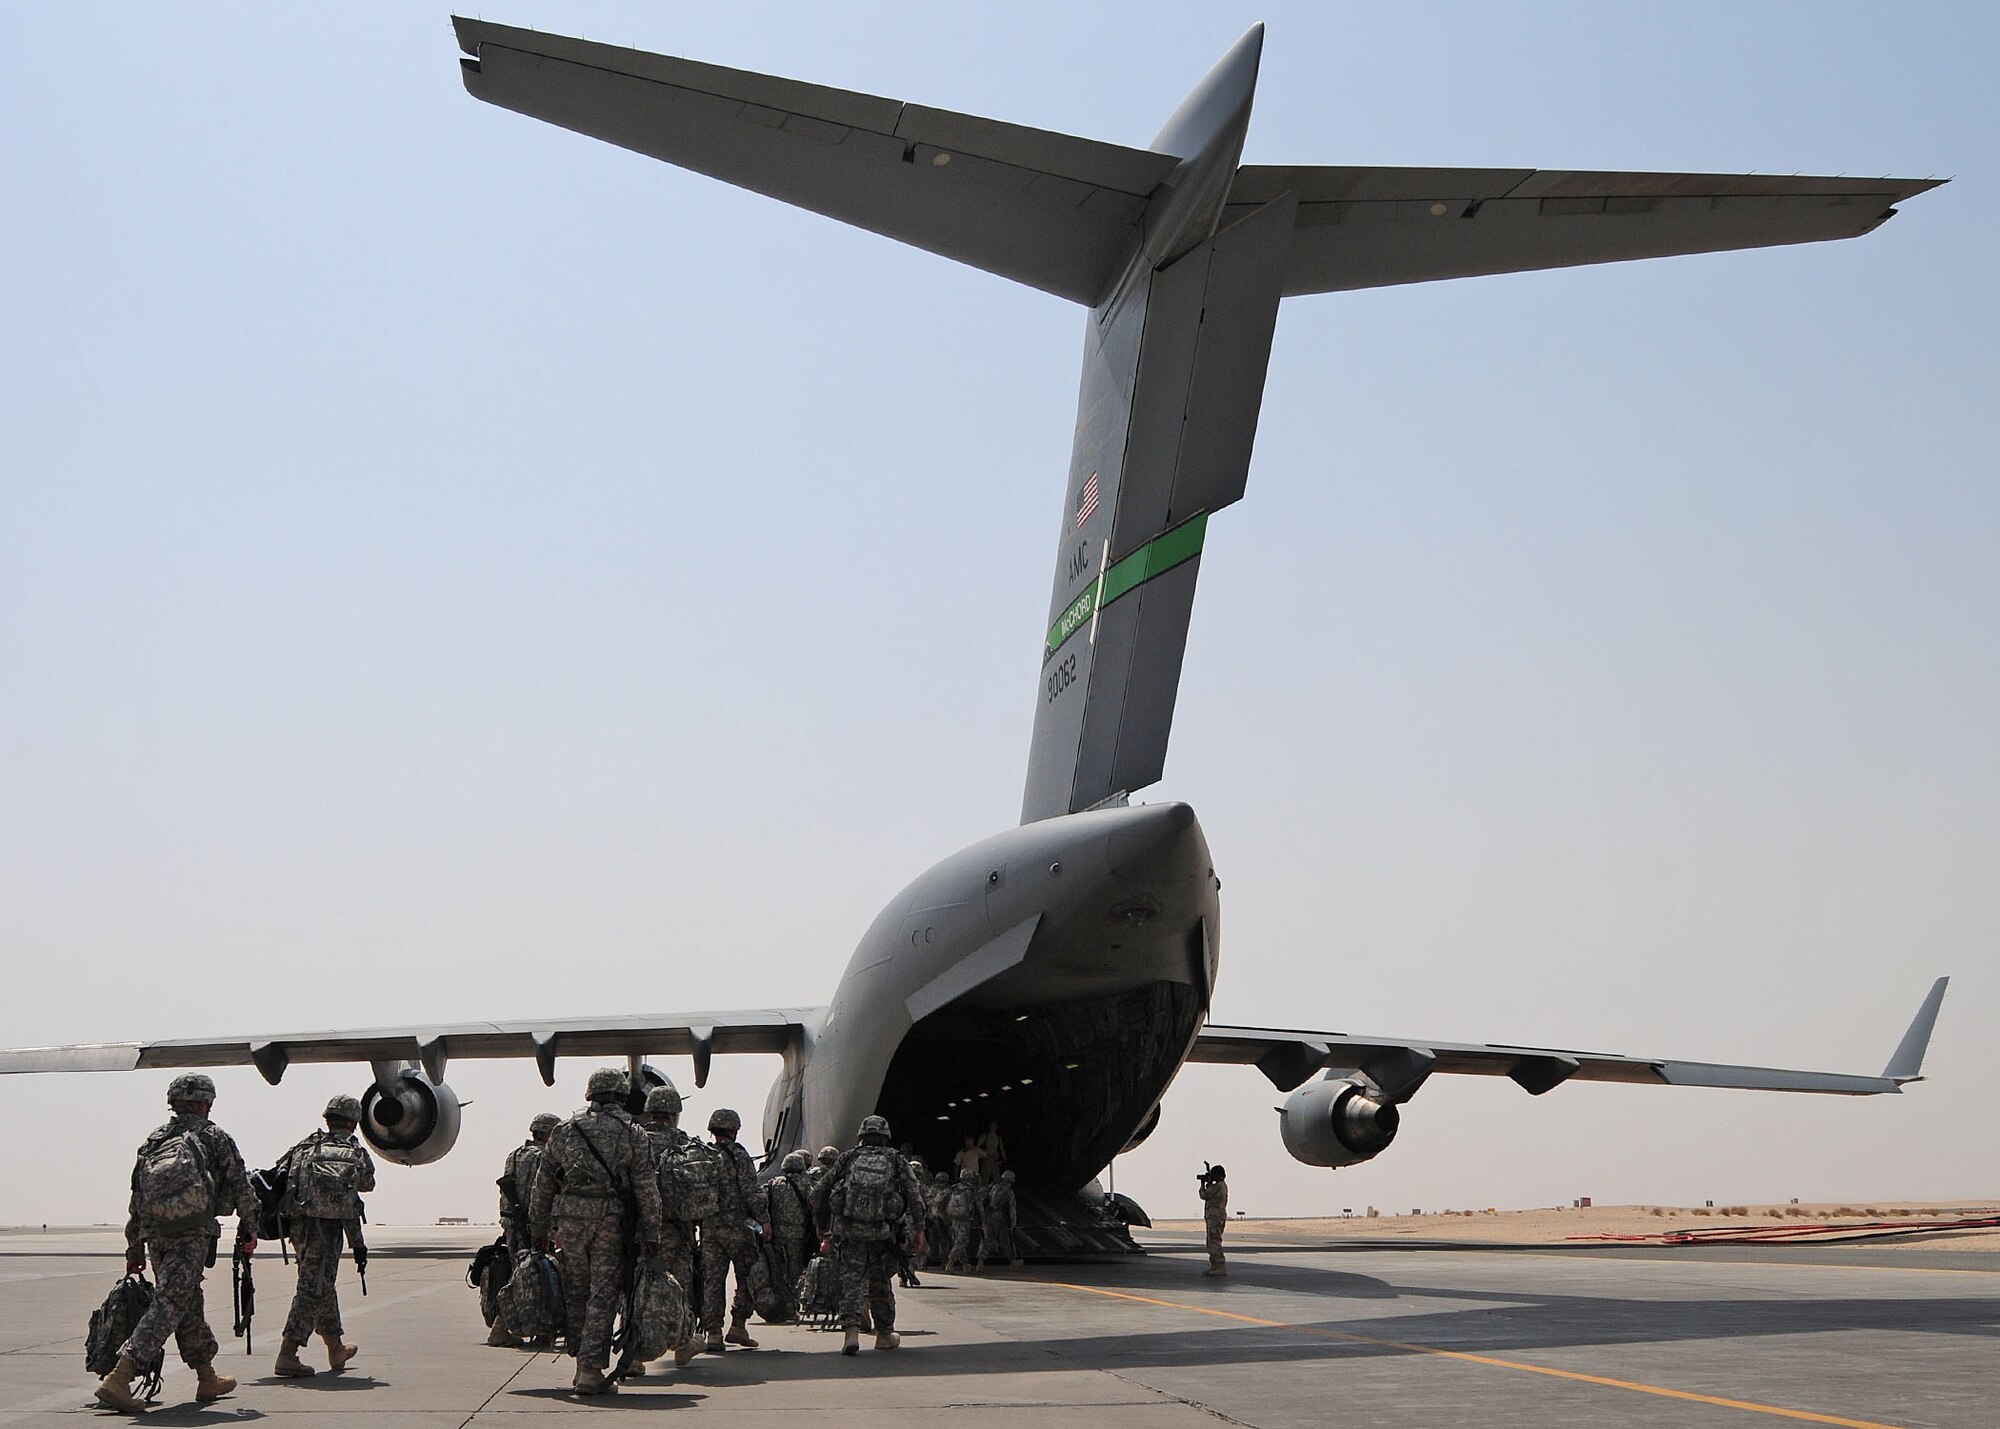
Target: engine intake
1336,1122
414,1123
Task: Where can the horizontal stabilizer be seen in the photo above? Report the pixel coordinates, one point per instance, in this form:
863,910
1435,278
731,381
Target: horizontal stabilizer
1050,210
1377,227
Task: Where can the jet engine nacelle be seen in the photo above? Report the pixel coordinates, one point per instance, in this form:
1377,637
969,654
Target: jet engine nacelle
414,1123
1336,1122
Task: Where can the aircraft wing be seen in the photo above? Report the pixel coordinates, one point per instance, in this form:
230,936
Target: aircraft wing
1400,1066
1376,227
1045,209
695,1034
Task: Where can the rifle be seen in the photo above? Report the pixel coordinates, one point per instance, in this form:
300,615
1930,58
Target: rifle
243,1291
359,1246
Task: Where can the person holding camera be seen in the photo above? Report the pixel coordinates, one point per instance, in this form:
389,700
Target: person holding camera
1213,1183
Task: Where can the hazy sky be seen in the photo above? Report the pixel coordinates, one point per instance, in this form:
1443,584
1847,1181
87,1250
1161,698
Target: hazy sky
450,568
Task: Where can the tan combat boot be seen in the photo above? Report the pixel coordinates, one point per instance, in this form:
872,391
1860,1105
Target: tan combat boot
114,1391
739,1334
851,1345
337,1354
887,1340
713,1344
289,1364
684,1353
498,1335
592,1381
210,1386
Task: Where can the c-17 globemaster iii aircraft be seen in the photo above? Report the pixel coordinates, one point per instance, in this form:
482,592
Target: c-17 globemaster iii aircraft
1063,969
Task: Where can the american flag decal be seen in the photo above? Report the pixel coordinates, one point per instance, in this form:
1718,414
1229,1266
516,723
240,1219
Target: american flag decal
1086,501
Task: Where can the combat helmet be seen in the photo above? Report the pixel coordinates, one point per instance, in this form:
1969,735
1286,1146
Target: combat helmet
191,1087
343,1108
723,1119
607,1084
544,1123
794,1161
828,1155
873,1125
663,1101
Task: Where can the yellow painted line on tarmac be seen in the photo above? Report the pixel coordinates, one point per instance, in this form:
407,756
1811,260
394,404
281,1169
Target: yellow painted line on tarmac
1633,1386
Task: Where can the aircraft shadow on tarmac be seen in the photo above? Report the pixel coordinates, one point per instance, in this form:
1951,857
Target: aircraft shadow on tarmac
1496,1322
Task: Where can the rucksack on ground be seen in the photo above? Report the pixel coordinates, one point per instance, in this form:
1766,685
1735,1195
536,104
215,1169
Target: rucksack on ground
690,1181
656,1315
870,1194
819,1292
325,1180
531,1302
112,1323
174,1187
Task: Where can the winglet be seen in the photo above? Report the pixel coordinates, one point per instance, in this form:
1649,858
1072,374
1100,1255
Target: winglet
1908,1063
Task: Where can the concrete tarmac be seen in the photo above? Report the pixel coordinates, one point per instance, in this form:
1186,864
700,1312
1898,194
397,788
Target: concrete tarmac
1379,1336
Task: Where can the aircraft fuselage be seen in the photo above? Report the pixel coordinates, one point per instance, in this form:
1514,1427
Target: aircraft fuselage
1051,978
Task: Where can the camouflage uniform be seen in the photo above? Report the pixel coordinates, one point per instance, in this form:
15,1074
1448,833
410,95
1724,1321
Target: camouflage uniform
318,1243
795,1232
1215,1215
677,1238
961,1208
999,1214
517,1181
726,1238
937,1230
867,1251
178,1260
606,1157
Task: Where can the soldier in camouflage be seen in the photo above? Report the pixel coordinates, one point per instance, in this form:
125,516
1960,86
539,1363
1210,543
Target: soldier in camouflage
678,1247
180,1253
867,1246
999,1217
517,1184
796,1233
937,1230
816,1174
728,1238
1214,1187
318,1230
961,1210
910,1252
598,1162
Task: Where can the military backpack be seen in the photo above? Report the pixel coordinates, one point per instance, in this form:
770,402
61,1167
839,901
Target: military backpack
112,1323
962,1203
489,1273
325,1180
174,1188
531,1302
656,1316
819,1290
870,1194
690,1181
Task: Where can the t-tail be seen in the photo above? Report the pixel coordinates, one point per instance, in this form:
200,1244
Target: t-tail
1181,253
1174,356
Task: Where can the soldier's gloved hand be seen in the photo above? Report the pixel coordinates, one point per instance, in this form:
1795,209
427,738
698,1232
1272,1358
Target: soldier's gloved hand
247,1244
767,1231
135,1262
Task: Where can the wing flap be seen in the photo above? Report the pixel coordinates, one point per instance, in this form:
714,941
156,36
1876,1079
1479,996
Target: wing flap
1378,227
1050,210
